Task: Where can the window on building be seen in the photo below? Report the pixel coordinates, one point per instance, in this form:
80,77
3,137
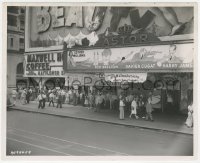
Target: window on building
21,43
13,9
22,10
11,42
20,69
21,40
21,24
12,20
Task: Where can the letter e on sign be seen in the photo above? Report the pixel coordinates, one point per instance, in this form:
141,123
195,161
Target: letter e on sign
58,19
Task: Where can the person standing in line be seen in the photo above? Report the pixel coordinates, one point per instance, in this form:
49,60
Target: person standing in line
189,121
51,98
14,96
121,107
67,97
74,97
82,98
134,108
28,95
77,97
63,95
48,94
142,106
86,103
70,95
98,102
39,98
43,99
23,97
149,110
90,100
59,99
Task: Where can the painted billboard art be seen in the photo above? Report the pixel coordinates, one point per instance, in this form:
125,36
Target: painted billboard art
48,27
174,56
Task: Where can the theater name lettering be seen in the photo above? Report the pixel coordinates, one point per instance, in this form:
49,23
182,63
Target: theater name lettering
55,17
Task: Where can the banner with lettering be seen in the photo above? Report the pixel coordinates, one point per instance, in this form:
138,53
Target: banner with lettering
47,27
126,77
143,58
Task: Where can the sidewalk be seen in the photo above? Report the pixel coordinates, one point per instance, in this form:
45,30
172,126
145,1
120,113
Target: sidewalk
168,123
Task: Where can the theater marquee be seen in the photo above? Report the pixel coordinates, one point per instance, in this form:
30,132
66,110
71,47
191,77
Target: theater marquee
162,57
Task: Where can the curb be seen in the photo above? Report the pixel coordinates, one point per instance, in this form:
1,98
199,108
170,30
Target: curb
108,122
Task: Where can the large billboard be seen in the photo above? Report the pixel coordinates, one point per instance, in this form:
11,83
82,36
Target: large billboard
47,27
143,58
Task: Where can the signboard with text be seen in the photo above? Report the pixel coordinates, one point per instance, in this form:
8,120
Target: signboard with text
162,57
48,27
47,64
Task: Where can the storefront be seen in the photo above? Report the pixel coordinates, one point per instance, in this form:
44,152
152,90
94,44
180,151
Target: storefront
93,48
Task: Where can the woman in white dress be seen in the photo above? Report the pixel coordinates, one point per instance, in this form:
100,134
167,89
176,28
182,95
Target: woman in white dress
189,121
134,108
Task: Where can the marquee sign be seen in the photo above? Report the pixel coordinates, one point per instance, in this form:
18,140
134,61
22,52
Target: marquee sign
162,57
48,27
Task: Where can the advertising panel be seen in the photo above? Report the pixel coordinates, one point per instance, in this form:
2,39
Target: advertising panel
48,27
162,57
46,64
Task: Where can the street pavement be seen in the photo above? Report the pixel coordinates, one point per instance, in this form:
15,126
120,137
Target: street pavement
164,122
42,134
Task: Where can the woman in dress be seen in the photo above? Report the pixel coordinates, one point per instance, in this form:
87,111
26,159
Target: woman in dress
121,107
189,121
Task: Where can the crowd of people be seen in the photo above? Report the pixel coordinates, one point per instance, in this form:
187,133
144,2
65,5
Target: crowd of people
137,105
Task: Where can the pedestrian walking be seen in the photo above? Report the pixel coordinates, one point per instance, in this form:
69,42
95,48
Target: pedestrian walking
74,97
141,106
14,96
86,103
98,102
59,99
67,97
51,98
63,95
39,98
134,109
77,97
149,110
28,95
91,100
23,97
189,121
44,97
121,107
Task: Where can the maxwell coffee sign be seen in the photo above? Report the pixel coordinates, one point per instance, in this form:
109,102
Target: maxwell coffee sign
48,27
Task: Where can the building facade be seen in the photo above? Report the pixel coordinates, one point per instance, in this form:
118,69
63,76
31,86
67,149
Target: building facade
149,49
15,47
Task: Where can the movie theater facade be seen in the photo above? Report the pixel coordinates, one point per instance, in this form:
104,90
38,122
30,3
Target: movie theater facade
138,49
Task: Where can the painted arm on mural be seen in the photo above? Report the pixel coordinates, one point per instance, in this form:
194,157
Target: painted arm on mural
171,17
147,19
